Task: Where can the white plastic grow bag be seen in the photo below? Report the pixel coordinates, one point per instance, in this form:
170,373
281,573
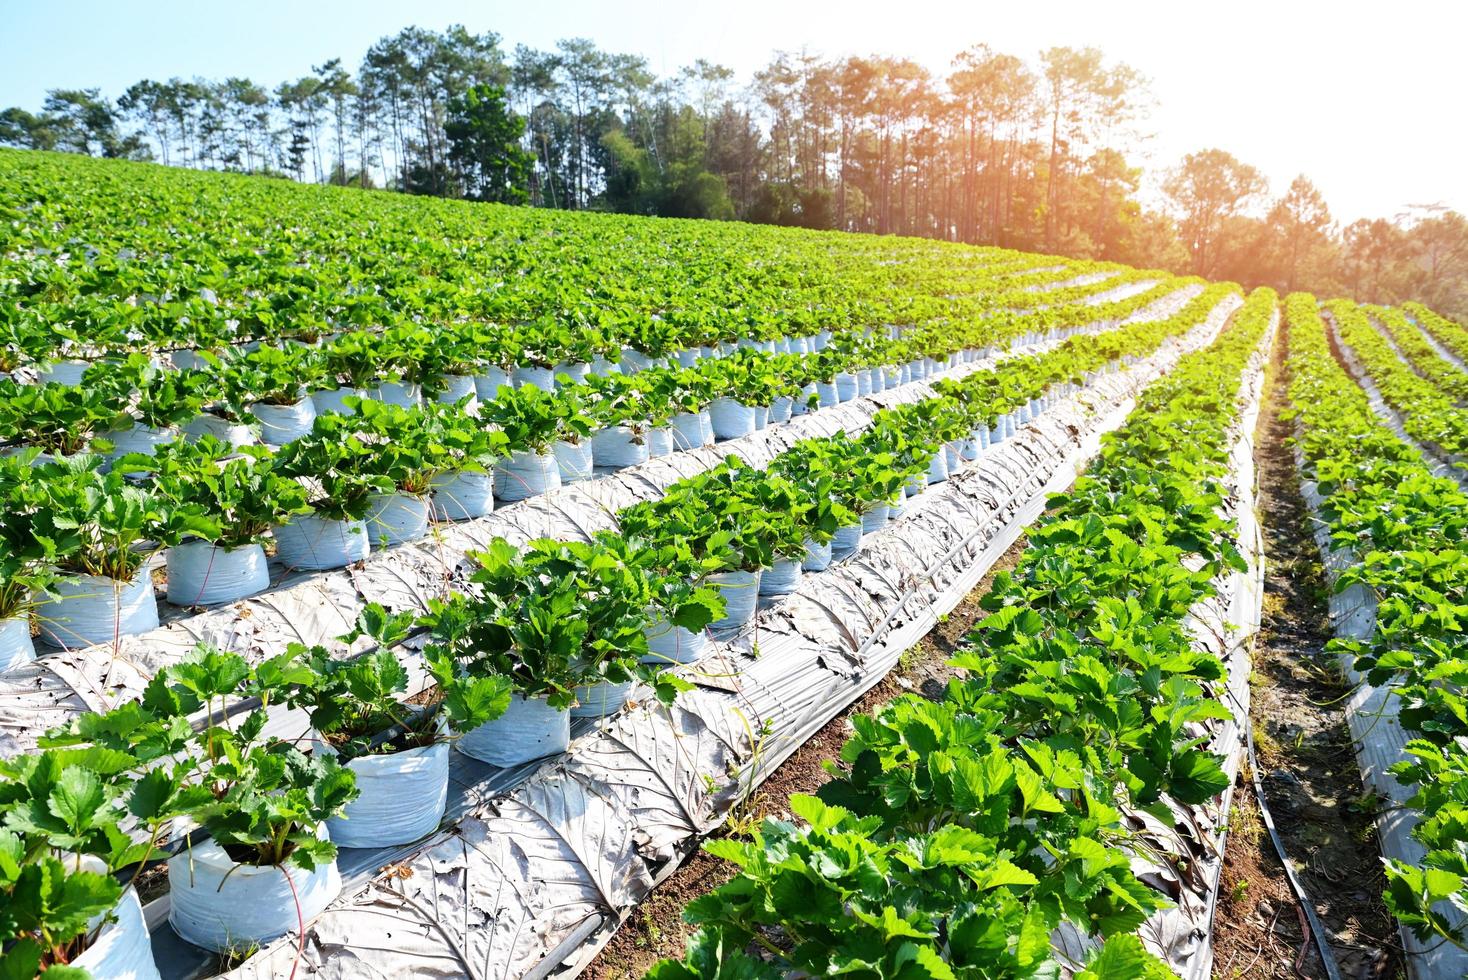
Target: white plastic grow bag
818,556
846,542
780,409
937,467
404,394
875,519
687,431
575,370
122,949
318,543
79,610
660,441
730,419
462,496
801,405
334,402
219,905
526,474
671,644
761,417
139,439
600,699
826,394
618,447
457,387
863,382
574,461
741,596
487,384
781,578
535,377
280,424
634,361
231,433
189,360
402,797
16,647
200,573
63,372
397,517
529,729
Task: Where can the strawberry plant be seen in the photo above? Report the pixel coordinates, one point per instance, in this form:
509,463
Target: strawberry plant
550,618
93,523
275,375
356,703
58,419
532,420
238,490
340,470
147,394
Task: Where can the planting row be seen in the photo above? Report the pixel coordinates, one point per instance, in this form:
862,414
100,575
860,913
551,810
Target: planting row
540,629
272,393
1402,532
1450,335
959,834
1419,353
1428,416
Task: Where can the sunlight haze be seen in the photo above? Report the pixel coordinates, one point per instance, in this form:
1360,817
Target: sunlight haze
1284,86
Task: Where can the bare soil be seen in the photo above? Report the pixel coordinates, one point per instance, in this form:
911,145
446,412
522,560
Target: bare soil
656,928
1307,766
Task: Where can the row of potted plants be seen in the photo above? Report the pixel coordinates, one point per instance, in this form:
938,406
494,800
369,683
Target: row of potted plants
257,391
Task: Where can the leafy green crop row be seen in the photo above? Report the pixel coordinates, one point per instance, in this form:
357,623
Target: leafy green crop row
1451,335
1419,353
1427,414
958,834
72,518
117,394
1406,529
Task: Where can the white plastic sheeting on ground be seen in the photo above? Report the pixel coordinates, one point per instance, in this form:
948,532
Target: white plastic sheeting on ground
535,880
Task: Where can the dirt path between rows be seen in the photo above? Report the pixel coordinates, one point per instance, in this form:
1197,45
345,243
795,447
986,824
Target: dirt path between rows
656,928
1307,765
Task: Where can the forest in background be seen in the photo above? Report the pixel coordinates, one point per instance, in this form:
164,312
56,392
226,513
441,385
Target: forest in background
1034,155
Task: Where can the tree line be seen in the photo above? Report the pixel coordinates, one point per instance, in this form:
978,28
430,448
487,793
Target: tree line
1000,151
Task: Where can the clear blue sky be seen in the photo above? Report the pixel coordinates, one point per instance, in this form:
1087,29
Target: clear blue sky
1367,98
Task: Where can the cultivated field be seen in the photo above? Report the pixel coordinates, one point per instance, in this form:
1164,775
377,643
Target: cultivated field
397,586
